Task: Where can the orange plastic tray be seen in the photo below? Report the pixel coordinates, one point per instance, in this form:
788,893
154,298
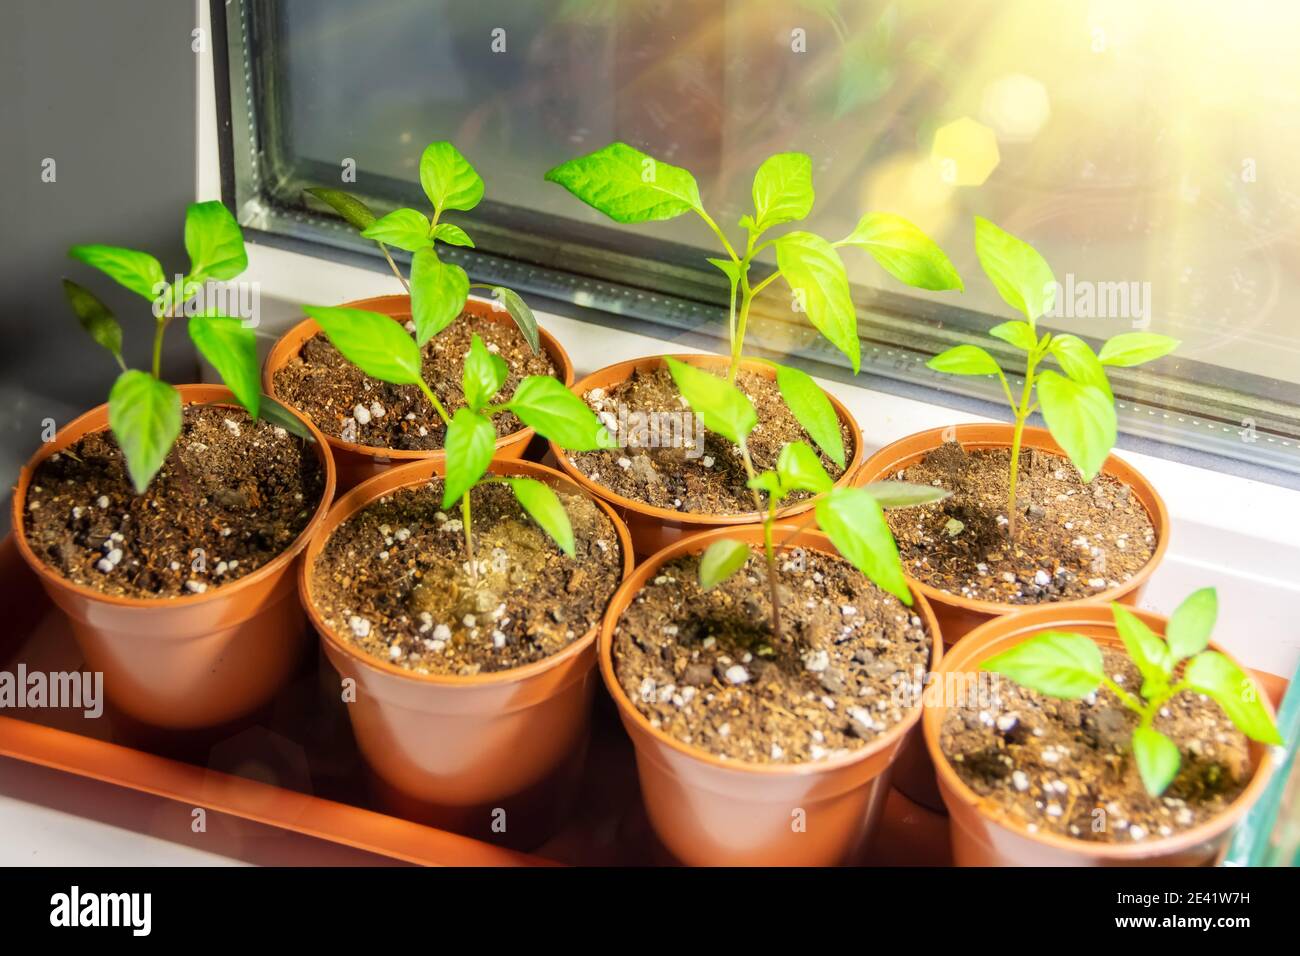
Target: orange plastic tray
321,787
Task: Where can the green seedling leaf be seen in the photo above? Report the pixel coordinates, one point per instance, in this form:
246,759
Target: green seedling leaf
905,252
277,414
1157,759
965,360
1145,649
483,375
720,561
816,277
145,416
728,268
543,505
372,342
214,242
627,185
783,190
448,179
768,482
1081,418
452,234
1022,276
138,271
812,410
1067,666
438,293
470,443
232,349
95,317
903,494
856,526
800,469
1217,676
1135,348
356,213
545,405
1192,623
522,314
1079,362
1020,334
404,228
724,407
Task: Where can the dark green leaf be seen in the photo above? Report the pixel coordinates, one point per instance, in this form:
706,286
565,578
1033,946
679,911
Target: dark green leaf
404,228
902,494
545,405
286,418
1211,673
1081,418
138,271
856,526
95,317
353,210
1022,277
1054,663
470,444
905,252
800,469
1192,623
812,409
483,375
1157,758
448,179
783,190
544,506
145,416
438,293
232,350
720,561
1135,348
627,185
816,276
724,407
372,342
214,242
965,360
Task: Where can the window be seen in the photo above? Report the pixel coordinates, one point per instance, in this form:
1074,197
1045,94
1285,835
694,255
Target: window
1144,148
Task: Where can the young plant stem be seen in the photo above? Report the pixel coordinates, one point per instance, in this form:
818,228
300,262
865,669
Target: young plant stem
465,516
159,328
397,272
1022,413
769,549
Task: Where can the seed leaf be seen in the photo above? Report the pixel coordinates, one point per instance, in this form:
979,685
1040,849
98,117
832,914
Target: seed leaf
965,360
905,252
783,190
231,347
522,314
353,210
404,228
277,414
469,445
372,342
448,179
1022,276
728,268
1062,665
1081,418
544,506
1216,675
1135,348
1157,759
452,234
720,561
95,317
627,185
724,407
812,410
816,276
903,494
545,405
138,271
1147,651
1018,333
483,375
145,416
856,526
214,242
438,293
1192,623
800,469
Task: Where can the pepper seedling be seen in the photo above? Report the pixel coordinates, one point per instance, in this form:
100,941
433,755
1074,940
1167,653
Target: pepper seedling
851,517
629,186
1079,406
382,349
144,412
438,289
1069,666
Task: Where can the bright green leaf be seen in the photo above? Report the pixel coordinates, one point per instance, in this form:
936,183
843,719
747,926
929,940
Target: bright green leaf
1135,348
812,410
95,317
816,276
1018,333
800,469
138,271
469,446
1022,276
145,417
1079,362
720,561
545,405
783,190
627,185
448,179
483,374
214,242
522,314
856,526
404,228
452,234
1157,758
728,268
965,360
231,347
1068,666
1081,418
438,293
1216,675
544,506
1145,649
372,342
1192,623
724,407
905,252
356,213
902,494
768,482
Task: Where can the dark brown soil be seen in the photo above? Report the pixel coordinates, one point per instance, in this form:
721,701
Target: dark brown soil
1072,539
394,579
1066,767
686,477
232,495
323,385
705,668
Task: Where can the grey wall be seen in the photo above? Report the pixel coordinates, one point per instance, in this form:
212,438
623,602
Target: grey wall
107,90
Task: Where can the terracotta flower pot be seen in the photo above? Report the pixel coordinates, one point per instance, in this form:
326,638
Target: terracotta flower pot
957,615
453,750
713,812
985,835
655,528
193,661
356,463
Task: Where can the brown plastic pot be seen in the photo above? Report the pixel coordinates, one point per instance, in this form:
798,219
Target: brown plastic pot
713,812
184,662
453,750
654,528
983,834
356,463
914,774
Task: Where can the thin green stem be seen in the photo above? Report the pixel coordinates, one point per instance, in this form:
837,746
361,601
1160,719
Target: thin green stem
467,520
769,550
1021,415
1125,698
397,272
159,328
722,236
433,400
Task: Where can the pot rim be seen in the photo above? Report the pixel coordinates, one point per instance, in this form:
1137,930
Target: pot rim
191,394
306,328
624,370
698,542
418,473
894,456
974,648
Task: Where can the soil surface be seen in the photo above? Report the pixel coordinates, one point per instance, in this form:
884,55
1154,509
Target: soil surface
1072,539
662,461
345,403
394,580
1067,767
705,668
231,496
